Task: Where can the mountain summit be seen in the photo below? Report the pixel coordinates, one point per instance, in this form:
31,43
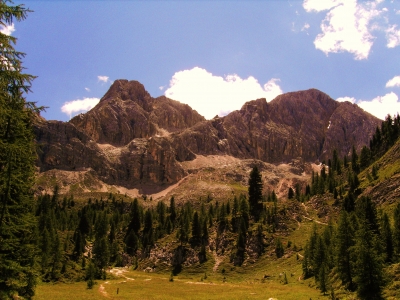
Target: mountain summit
131,139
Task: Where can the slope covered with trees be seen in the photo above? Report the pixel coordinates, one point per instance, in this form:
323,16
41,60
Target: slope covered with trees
18,247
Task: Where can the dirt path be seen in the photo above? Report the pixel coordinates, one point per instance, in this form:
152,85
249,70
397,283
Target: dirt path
119,272
316,221
103,291
218,261
167,190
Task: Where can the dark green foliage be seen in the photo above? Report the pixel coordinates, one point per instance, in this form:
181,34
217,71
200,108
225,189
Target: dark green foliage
354,161
368,266
279,250
90,274
132,243
135,217
365,157
18,247
241,243
255,192
396,230
366,211
387,237
172,210
344,243
290,193
196,229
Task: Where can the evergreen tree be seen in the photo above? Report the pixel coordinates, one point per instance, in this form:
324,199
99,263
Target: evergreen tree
196,228
255,192
279,250
241,242
368,267
172,210
134,224
387,238
290,193
354,161
90,274
132,243
366,211
56,261
344,246
18,247
396,230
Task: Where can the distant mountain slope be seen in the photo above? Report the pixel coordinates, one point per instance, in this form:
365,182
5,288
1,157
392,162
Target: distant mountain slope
133,140
306,124
127,111
386,187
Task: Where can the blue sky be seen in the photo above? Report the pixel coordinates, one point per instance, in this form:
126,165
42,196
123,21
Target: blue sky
213,55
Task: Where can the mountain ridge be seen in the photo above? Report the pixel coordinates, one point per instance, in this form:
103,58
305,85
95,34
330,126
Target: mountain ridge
149,137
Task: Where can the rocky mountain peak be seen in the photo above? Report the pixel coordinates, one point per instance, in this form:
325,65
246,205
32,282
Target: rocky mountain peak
127,90
132,139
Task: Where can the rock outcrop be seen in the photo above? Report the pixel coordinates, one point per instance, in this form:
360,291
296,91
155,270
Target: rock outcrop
306,124
133,140
127,112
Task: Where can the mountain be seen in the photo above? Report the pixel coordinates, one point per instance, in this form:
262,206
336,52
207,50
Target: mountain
135,141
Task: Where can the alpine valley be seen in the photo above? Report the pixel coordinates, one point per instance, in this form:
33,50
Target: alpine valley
296,198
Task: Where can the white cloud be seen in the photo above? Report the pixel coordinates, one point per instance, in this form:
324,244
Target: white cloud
349,24
380,106
214,95
87,89
103,78
345,28
320,5
393,36
8,29
395,81
305,27
75,106
349,99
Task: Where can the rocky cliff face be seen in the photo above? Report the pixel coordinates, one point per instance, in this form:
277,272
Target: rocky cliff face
307,124
127,112
134,140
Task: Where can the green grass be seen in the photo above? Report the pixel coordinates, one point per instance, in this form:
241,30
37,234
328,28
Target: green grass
64,291
158,286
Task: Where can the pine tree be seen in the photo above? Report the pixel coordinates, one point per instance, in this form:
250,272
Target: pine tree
241,242
344,246
18,247
135,217
255,192
172,210
290,193
196,228
279,250
368,265
396,230
387,238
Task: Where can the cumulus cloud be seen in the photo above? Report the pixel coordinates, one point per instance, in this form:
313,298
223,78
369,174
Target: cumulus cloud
8,29
214,95
395,81
349,99
349,24
393,36
79,106
380,106
103,78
